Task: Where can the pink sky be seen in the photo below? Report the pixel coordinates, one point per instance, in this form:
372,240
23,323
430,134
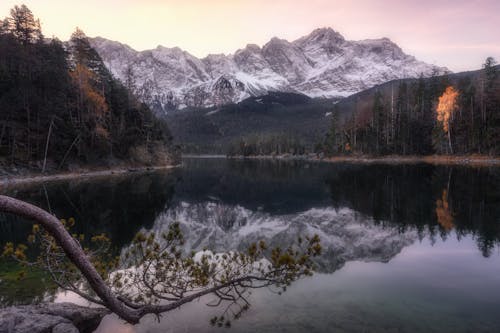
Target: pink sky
458,34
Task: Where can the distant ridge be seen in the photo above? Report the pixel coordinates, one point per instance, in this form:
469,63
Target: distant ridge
321,64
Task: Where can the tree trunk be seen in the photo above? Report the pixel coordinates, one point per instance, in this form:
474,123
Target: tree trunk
47,145
449,140
73,250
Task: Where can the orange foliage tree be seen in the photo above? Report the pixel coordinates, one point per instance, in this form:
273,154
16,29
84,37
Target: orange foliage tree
92,104
445,109
443,212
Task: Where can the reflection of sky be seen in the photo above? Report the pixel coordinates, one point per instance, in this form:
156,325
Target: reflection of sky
445,286
458,34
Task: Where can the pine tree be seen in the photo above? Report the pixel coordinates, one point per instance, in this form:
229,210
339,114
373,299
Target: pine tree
57,106
23,26
402,119
466,122
379,123
4,28
83,53
491,106
331,141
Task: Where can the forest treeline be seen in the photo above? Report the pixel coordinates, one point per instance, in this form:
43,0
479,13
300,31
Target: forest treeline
465,202
451,114
59,105
266,145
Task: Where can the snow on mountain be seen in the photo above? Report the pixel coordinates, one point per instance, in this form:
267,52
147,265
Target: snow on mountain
321,64
345,234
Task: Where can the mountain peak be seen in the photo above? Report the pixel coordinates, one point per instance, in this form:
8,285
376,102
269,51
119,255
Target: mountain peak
253,47
326,32
162,48
383,40
277,41
320,64
103,42
322,36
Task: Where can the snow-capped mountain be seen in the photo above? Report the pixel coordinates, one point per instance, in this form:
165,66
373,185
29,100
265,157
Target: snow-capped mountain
321,64
345,234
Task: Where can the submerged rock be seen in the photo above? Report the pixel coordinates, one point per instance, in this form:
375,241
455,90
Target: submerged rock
50,318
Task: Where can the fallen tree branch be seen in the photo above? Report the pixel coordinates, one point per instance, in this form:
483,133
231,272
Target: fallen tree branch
174,278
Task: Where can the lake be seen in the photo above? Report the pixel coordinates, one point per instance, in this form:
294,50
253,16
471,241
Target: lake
406,248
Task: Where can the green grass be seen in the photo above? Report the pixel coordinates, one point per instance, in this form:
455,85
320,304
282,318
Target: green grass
34,287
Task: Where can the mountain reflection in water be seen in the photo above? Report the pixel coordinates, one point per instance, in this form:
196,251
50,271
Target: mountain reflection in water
393,234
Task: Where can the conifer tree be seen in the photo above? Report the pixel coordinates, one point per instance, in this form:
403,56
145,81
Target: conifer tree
491,105
379,123
23,26
331,142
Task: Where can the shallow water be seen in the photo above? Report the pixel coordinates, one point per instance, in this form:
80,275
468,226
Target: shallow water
406,248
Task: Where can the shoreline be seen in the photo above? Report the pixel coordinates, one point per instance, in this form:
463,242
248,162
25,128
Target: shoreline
16,180
462,160
207,156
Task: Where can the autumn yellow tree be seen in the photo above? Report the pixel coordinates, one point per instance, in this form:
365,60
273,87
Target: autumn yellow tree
446,107
90,99
443,212
93,110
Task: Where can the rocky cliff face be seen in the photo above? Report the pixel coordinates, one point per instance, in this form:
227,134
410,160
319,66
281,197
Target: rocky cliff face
321,64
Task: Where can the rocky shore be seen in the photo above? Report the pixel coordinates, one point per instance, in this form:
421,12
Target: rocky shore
50,318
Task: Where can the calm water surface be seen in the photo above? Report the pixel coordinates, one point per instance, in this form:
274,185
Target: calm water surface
411,248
